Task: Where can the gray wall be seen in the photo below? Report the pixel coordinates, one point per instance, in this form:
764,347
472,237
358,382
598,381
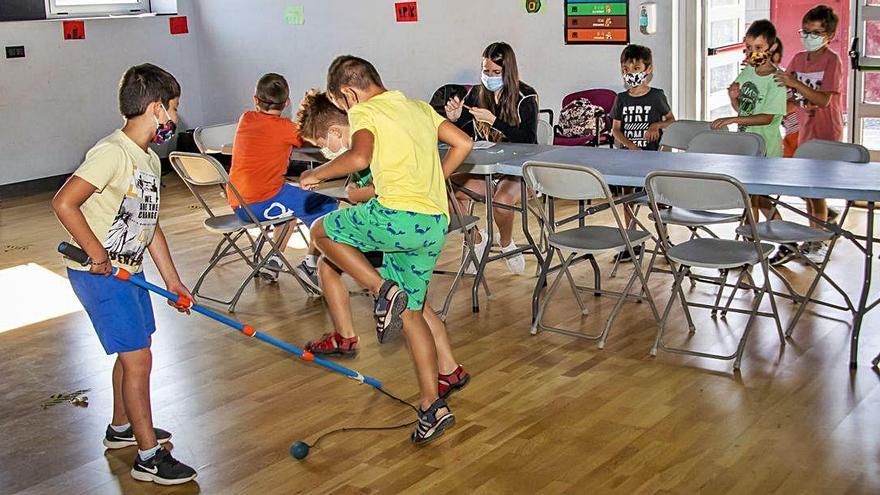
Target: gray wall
59,100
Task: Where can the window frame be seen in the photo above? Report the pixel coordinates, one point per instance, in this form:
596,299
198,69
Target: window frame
97,9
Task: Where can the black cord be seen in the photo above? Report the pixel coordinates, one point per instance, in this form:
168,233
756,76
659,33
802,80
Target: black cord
371,428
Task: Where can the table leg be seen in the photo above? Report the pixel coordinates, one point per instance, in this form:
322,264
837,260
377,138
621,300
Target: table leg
490,233
524,209
866,289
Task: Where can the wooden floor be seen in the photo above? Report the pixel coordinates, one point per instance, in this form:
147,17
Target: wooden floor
544,414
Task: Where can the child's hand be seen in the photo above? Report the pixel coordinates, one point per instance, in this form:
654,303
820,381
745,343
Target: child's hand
453,109
653,133
102,265
785,79
308,180
733,91
178,288
482,115
719,123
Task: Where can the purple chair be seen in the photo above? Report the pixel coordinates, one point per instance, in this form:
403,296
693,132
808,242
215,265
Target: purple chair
602,98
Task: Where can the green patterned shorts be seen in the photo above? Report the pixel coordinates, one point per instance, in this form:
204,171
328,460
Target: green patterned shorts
410,241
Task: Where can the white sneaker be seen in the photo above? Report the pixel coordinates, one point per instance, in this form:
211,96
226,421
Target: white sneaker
517,263
479,249
269,271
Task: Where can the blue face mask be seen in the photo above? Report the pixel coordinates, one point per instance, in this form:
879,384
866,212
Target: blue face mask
492,83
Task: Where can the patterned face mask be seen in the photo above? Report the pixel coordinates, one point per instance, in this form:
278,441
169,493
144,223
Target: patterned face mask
757,58
166,130
633,79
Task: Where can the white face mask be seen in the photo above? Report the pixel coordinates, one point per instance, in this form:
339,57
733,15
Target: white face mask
812,41
330,154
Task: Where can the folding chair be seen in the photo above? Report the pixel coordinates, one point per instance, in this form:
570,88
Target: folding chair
710,192
680,133
198,171
464,224
545,126
786,232
572,182
212,139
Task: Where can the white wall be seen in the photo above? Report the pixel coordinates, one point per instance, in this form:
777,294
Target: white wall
60,99
239,41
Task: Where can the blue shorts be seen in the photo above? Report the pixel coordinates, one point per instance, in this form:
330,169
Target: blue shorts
120,311
291,201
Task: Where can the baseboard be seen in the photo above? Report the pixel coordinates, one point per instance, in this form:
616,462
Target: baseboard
35,186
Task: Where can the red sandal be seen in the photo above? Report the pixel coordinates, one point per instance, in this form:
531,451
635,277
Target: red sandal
332,344
446,384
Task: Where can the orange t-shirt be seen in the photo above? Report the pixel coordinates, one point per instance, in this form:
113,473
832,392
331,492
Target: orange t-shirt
261,155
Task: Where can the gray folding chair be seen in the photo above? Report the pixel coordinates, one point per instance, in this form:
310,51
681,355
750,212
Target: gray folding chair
573,182
710,192
679,134
201,171
212,138
786,232
464,224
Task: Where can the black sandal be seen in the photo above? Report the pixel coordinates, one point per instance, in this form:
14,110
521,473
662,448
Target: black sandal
430,425
388,311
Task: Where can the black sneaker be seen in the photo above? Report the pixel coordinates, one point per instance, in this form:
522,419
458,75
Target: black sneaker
784,253
308,276
163,469
114,440
431,425
832,215
623,256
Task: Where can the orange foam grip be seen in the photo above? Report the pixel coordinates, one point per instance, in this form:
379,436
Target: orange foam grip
248,330
183,302
308,356
122,274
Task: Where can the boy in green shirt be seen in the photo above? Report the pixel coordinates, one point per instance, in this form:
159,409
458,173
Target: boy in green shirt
396,138
758,99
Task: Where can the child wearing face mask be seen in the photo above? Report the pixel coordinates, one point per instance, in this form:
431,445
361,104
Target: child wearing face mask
640,113
759,101
815,76
324,125
260,158
110,207
397,138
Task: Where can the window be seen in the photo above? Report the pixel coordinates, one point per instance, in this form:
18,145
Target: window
92,8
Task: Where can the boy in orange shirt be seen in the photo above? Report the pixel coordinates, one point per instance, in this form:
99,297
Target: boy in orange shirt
262,146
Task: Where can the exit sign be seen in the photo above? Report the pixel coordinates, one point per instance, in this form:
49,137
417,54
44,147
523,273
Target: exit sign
406,11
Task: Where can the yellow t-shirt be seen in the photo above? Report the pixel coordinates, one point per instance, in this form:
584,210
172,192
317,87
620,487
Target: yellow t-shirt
406,163
124,209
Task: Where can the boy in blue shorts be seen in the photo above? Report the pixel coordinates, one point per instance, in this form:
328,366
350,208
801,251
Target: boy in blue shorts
396,138
110,207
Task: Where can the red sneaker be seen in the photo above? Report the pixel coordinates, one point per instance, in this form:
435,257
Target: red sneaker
446,384
331,344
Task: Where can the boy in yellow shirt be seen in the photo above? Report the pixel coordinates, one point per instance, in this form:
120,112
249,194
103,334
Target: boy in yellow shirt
407,221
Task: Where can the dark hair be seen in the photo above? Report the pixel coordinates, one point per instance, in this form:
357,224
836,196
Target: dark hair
507,108
144,84
316,114
825,15
637,53
272,92
348,70
766,29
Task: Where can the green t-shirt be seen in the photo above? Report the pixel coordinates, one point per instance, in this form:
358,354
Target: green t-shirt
762,95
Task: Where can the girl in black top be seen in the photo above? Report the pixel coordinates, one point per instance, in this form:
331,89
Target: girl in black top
501,109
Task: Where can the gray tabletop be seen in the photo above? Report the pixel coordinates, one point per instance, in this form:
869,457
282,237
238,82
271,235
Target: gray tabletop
786,176
486,162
